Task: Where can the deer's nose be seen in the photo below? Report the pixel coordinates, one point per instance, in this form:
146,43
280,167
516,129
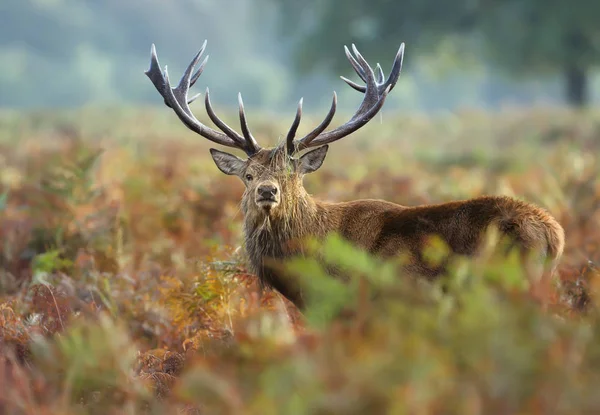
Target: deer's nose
267,191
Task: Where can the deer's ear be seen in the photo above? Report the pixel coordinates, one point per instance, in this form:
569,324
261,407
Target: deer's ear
228,163
312,160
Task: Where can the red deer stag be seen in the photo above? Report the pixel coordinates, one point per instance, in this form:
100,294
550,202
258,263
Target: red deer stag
278,212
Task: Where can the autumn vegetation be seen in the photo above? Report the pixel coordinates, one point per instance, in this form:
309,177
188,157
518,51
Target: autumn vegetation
123,287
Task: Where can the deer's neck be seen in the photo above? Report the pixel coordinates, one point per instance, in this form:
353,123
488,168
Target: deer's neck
275,234
280,235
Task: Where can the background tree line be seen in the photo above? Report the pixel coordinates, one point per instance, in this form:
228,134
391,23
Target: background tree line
481,53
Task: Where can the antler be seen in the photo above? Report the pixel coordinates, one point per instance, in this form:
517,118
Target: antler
375,90
177,99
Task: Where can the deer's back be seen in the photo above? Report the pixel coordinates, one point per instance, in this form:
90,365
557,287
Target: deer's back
387,229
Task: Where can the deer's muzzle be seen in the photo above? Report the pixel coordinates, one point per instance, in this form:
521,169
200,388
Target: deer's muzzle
267,195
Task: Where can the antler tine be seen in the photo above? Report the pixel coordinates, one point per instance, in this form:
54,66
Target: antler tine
306,140
185,82
290,144
155,74
202,65
380,75
197,74
372,93
177,99
354,85
220,123
195,78
375,90
250,140
396,68
357,67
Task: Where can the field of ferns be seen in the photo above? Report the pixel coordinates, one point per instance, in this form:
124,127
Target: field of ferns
123,286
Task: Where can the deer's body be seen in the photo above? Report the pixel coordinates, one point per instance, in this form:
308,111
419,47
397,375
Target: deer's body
387,230
279,215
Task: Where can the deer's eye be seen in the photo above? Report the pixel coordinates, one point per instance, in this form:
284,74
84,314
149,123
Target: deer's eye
249,177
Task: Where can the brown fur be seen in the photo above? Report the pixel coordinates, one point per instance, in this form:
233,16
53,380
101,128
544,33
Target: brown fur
381,228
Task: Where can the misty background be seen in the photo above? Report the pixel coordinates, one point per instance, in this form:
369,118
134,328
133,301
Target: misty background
459,53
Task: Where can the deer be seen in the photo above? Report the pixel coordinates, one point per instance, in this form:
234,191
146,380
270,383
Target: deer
279,213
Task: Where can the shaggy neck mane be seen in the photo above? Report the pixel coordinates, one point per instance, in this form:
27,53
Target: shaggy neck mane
276,234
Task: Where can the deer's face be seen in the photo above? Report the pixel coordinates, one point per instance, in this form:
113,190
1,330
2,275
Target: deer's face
272,178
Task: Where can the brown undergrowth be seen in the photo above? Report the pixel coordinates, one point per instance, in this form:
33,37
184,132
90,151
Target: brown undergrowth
123,288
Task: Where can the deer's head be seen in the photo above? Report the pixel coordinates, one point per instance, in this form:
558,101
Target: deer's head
273,179
273,176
